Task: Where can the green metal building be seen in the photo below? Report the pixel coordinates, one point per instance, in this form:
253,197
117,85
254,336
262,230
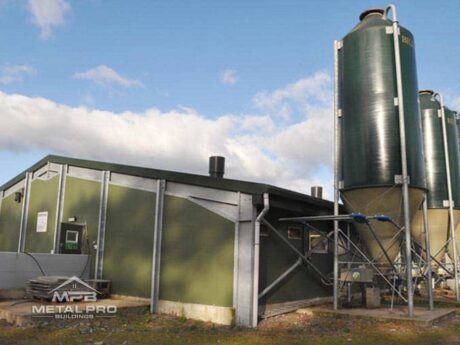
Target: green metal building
199,246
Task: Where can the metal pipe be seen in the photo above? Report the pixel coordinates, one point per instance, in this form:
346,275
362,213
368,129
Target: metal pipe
336,175
402,138
320,233
428,253
255,277
449,192
280,278
24,211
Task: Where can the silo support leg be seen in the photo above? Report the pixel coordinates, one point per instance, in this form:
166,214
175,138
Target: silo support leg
429,282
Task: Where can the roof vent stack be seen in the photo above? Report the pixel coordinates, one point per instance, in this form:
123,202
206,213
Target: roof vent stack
216,166
316,192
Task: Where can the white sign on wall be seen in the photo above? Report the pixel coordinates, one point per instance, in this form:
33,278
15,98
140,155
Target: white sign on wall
42,221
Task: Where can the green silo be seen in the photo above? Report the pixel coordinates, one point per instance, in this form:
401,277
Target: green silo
370,139
435,163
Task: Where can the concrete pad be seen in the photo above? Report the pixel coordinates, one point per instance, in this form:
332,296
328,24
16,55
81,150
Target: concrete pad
20,312
207,313
421,315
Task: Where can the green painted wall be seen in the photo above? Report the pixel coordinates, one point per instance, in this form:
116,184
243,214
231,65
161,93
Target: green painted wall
129,240
10,223
43,197
276,258
82,200
197,255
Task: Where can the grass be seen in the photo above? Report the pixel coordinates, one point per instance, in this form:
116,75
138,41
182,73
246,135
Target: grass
139,327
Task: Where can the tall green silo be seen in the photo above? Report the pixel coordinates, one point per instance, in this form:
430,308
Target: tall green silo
370,147
435,163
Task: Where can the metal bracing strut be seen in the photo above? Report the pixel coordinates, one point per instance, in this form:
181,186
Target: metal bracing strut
347,218
280,278
371,263
296,251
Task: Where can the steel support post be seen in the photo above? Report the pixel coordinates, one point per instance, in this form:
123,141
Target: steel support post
59,208
449,192
102,223
255,278
428,253
156,257
336,176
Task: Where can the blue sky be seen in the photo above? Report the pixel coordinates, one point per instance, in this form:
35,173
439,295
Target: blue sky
208,60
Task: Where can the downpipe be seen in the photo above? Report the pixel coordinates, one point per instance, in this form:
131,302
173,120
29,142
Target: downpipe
402,136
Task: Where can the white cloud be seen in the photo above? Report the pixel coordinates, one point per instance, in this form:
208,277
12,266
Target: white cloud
257,148
298,96
47,14
452,100
13,73
106,76
229,77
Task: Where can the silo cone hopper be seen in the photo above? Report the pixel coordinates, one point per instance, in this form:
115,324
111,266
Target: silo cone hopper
457,234
387,201
438,223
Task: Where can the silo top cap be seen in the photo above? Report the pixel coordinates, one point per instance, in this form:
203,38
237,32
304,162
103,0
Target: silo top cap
371,11
430,92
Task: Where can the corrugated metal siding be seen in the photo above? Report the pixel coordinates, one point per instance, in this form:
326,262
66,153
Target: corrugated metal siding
82,200
43,197
129,240
10,223
276,258
197,255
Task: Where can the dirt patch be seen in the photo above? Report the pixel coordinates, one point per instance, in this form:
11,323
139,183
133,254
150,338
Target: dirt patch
139,327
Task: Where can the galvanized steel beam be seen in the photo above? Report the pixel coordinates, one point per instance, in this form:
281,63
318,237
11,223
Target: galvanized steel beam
255,301
99,265
337,138
59,208
449,192
429,282
244,257
156,252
